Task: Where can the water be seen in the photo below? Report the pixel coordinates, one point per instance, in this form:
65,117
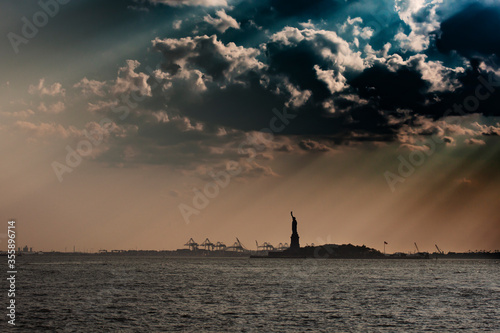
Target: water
59,293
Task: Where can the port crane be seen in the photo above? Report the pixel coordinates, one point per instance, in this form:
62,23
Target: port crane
265,247
207,244
219,246
439,250
237,246
416,246
193,246
282,247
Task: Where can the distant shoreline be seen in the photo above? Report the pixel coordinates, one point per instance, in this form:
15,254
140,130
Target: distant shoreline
256,255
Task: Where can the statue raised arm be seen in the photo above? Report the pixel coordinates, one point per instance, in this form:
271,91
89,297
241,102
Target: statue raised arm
294,224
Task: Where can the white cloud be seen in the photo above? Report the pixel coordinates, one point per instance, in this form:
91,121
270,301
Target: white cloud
289,36
421,16
412,41
130,81
449,141
161,116
102,105
52,108
45,130
350,22
297,97
106,130
200,52
254,169
473,141
223,22
487,130
195,78
307,25
413,147
185,124
329,105
366,33
91,87
352,26
177,24
341,59
332,48
440,77
40,89
334,81
18,114
447,129
441,128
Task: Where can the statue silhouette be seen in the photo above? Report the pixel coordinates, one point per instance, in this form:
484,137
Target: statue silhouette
294,239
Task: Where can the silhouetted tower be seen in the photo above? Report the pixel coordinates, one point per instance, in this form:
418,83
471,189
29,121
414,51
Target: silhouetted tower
294,239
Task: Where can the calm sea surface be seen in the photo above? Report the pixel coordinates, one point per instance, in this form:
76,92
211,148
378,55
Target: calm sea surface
58,293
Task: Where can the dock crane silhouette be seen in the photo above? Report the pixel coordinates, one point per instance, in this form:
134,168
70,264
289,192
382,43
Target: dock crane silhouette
416,246
237,246
208,245
193,246
265,247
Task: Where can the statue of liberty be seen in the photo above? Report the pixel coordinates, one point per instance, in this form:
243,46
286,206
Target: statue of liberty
294,239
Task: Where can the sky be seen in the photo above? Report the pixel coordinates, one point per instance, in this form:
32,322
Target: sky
138,124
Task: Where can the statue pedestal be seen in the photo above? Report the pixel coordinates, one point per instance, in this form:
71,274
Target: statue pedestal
294,242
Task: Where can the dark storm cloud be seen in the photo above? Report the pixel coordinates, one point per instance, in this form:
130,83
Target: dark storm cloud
311,8
344,81
246,107
401,89
292,68
472,32
406,89
297,63
310,145
201,52
368,100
